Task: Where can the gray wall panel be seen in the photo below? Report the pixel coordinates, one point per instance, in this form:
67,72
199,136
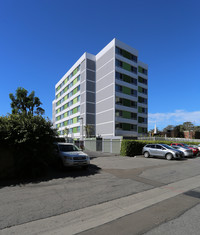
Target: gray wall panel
90,64
91,75
106,128
83,87
106,116
90,97
104,105
83,98
90,86
90,108
83,65
90,119
105,93
83,76
105,81
107,68
105,58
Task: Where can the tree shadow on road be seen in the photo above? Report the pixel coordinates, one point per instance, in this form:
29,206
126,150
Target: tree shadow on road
54,173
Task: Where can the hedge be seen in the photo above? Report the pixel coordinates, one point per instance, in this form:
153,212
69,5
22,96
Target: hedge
132,148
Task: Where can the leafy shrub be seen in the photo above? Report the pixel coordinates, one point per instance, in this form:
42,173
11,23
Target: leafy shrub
30,140
134,147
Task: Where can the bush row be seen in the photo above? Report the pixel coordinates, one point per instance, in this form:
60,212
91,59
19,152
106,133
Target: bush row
132,148
26,145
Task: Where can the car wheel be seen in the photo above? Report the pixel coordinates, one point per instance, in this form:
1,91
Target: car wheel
146,154
169,156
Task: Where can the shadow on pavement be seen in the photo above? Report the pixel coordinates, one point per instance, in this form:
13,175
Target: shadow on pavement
53,173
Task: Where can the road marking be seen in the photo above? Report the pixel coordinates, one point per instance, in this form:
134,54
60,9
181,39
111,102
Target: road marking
80,220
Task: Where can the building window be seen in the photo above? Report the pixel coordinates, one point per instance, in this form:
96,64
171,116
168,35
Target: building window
142,80
142,90
142,100
142,110
118,88
142,130
126,78
125,102
126,66
125,126
142,70
142,120
126,54
125,114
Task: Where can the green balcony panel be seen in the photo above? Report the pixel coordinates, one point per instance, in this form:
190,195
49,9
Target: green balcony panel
140,69
139,129
126,102
140,119
75,91
75,81
65,98
126,127
126,66
75,100
126,78
126,90
126,54
58,88
75,130
75,110
65,89
65,123
75,71
75,120
142,129
65,115
126,114
140,89
65,81
139,109
65,106
58,103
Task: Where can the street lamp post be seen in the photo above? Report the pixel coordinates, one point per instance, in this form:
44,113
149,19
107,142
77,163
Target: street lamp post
81,137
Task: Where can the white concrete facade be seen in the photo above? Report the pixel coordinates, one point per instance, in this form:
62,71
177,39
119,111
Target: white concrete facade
109,94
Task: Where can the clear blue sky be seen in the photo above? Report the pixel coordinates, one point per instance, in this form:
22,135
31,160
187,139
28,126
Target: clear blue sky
41,39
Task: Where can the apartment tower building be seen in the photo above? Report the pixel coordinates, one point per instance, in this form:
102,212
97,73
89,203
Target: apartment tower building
105,95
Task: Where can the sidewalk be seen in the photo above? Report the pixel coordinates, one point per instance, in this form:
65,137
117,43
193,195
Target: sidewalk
90,217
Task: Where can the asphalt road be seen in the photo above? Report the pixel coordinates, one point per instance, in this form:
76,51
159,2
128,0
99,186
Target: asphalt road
108,178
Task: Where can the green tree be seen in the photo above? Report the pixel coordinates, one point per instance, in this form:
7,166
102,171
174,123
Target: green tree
28,138
22,103
89,130
168,128
187,126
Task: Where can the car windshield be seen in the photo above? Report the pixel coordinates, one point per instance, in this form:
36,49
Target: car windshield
167,146
185,145
67,148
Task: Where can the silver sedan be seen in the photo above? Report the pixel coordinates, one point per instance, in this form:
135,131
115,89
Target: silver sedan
186,151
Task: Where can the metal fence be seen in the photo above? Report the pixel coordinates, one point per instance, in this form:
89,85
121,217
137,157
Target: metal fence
114,145
103,145
169,139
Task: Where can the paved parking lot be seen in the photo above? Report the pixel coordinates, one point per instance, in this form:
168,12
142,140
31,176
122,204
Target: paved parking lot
108,178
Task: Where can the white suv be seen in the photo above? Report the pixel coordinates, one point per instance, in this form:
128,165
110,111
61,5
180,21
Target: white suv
70,155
